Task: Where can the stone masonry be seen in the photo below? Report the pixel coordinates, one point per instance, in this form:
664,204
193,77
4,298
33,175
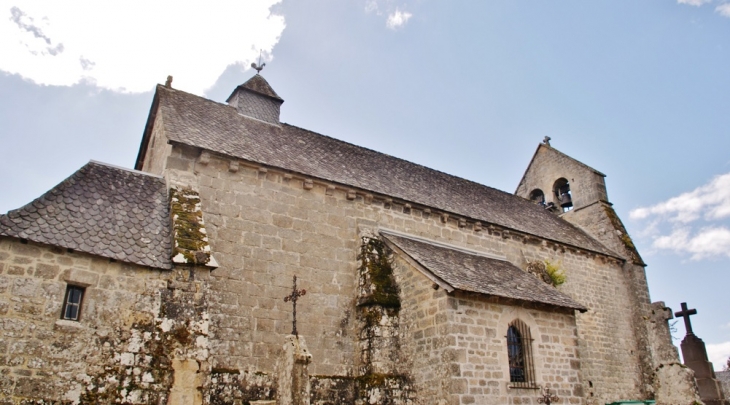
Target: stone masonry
212,327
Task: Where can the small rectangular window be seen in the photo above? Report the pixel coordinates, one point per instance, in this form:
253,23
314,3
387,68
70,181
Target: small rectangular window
72,303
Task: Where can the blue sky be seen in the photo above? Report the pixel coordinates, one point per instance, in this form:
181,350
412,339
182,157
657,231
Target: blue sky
637,90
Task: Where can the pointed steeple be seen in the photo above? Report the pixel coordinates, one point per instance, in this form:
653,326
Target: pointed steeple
256,99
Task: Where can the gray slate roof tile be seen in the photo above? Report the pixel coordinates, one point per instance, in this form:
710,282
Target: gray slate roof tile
480,274
259,85
203,123
91,211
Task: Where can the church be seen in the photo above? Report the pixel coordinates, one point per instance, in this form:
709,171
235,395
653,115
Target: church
248,261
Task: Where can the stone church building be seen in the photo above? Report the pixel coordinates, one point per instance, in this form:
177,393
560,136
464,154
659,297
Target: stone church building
165,284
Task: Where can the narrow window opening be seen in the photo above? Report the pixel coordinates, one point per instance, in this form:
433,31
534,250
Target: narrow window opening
519,353
72,303
516,355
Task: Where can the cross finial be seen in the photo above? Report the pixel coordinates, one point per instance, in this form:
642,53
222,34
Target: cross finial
294,297
685,313
546,140
259,66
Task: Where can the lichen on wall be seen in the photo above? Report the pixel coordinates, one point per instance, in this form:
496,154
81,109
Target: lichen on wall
626,240
190,240
377,284
381,379
136,362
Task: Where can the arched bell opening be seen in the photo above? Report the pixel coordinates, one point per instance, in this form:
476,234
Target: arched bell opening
563,196
538,197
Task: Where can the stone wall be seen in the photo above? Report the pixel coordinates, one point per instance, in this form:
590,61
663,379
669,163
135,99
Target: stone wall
142,335
266,225
549,165
459,346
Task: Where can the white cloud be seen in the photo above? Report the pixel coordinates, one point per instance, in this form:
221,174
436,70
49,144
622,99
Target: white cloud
398,19
711,201
130,46
723,9
371,6
718,354
694,223
695,3
706,243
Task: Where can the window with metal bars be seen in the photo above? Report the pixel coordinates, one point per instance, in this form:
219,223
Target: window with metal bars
519,352
72,303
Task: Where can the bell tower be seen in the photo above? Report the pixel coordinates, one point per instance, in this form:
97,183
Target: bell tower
560,183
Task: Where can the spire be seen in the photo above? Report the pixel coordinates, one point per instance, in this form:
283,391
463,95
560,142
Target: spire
256,99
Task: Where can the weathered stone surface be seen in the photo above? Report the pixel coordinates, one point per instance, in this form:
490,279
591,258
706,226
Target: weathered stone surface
675,385
297,204
124,349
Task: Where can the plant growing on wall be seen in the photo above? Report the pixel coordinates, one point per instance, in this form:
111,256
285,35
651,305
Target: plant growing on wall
376,275
546,271
556,273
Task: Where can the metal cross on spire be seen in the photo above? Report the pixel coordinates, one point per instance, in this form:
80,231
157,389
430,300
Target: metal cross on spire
685,313
259,66
294,297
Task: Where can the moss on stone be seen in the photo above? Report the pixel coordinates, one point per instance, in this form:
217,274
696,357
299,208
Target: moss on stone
623,235
376,267
190,239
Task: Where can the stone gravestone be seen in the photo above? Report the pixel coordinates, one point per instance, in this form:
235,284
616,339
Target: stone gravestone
694,354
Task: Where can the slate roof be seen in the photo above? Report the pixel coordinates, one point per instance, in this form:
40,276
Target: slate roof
196,121
480,274
258,84
102,210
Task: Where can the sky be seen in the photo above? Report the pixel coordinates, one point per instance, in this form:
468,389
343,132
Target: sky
638,90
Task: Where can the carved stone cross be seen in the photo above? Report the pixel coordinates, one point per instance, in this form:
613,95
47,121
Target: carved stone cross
685,313
294,297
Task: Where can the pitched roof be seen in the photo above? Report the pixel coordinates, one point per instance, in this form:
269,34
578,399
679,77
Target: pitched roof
258,84
473,272
102,210
195,121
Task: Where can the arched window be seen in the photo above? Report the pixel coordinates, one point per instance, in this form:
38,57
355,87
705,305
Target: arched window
519,352
537,196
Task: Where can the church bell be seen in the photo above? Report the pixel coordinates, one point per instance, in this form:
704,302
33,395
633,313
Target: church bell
566,201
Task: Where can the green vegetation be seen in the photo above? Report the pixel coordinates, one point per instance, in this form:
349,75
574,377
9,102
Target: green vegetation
556,273
189,234
376,267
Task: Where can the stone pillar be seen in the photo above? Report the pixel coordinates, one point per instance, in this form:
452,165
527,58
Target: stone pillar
694,354
293,374
188,382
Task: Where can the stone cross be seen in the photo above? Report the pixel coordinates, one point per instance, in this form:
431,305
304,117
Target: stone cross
685,313
294,297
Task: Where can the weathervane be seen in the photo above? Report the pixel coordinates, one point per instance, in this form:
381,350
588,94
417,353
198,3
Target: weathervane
259,66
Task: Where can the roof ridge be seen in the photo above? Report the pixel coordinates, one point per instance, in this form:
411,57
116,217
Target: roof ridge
230,134
92,161
400,159
133,211
387,231
170,89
